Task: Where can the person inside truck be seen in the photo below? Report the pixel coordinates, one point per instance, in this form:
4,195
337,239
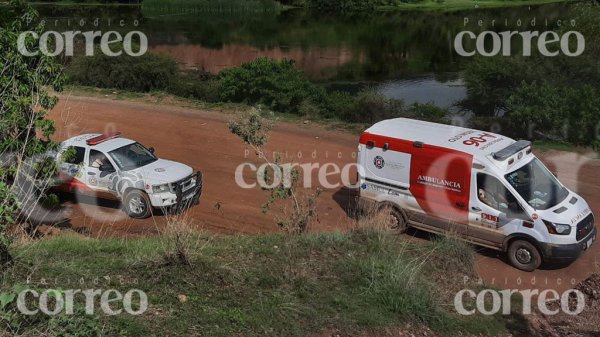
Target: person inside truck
490,191
97,159
486,198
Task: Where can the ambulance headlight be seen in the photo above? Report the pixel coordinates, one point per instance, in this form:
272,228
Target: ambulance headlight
557,229
161,188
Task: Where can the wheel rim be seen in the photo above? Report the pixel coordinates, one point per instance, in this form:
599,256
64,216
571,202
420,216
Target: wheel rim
137,205
392,222
523,255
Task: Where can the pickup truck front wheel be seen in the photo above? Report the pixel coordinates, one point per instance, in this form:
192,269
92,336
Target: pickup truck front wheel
137,204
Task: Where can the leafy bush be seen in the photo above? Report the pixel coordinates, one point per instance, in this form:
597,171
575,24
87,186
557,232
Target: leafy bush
569,114
342,5
369,106
366,106
145,73
24,103
276,84
429,112
197,85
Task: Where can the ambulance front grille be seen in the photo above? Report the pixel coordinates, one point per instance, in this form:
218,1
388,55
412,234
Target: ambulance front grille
585,226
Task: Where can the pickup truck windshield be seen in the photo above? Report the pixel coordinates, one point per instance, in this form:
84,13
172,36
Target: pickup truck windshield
537,185
132,156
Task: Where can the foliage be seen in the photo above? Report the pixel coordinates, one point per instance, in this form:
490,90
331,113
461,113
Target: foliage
353,282
253,129
77,325
24,102
542,97
369,106
10,316
276,84
343,5
144,73
556,112
198,85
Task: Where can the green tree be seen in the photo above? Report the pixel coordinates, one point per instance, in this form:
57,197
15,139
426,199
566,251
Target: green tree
276,84
558,113
24,102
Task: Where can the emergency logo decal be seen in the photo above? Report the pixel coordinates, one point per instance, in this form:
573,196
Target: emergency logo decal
379,162
489,217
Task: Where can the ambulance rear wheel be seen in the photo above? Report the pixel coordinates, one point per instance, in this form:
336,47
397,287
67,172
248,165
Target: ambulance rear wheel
524,255
393,220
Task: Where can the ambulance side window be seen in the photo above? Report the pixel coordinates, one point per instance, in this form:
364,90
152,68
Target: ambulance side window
493,193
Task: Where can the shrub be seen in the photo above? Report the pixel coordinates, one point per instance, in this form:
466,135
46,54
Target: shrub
145,73
429,112
24,102
367,106
569,114
276,84
197,85
342,5
339,104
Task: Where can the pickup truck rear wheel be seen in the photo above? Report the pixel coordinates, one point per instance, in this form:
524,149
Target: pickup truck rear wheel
137,204
524,255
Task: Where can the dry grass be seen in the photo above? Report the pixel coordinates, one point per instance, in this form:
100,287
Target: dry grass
181,241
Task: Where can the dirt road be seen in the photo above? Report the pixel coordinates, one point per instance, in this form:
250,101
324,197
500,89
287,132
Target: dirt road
202,140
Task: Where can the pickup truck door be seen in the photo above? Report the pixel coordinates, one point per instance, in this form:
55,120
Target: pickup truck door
100,173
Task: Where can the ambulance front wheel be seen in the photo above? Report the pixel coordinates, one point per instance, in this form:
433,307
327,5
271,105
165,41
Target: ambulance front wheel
524,255
393,220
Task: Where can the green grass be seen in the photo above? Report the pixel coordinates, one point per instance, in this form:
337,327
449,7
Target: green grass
270,285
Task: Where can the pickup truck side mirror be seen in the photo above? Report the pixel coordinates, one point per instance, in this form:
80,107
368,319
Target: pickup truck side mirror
151,149
106,168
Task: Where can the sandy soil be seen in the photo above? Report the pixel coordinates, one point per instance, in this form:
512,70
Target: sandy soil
202,140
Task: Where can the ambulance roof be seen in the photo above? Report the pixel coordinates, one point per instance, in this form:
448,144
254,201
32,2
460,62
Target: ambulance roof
475,142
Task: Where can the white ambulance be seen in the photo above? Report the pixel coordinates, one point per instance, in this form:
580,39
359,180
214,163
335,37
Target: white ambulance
113,167
486,188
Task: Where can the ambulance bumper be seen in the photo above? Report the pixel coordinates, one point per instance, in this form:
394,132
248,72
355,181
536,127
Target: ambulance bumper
568,252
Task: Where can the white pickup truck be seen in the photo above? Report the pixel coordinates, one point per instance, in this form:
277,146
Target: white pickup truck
113,167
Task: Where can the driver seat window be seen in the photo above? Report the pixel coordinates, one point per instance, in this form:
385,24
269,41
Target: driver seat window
98,159
493,193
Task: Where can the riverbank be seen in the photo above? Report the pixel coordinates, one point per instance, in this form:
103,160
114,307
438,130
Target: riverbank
162,98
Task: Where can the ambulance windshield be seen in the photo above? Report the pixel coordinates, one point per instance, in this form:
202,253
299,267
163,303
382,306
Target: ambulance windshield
537,185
